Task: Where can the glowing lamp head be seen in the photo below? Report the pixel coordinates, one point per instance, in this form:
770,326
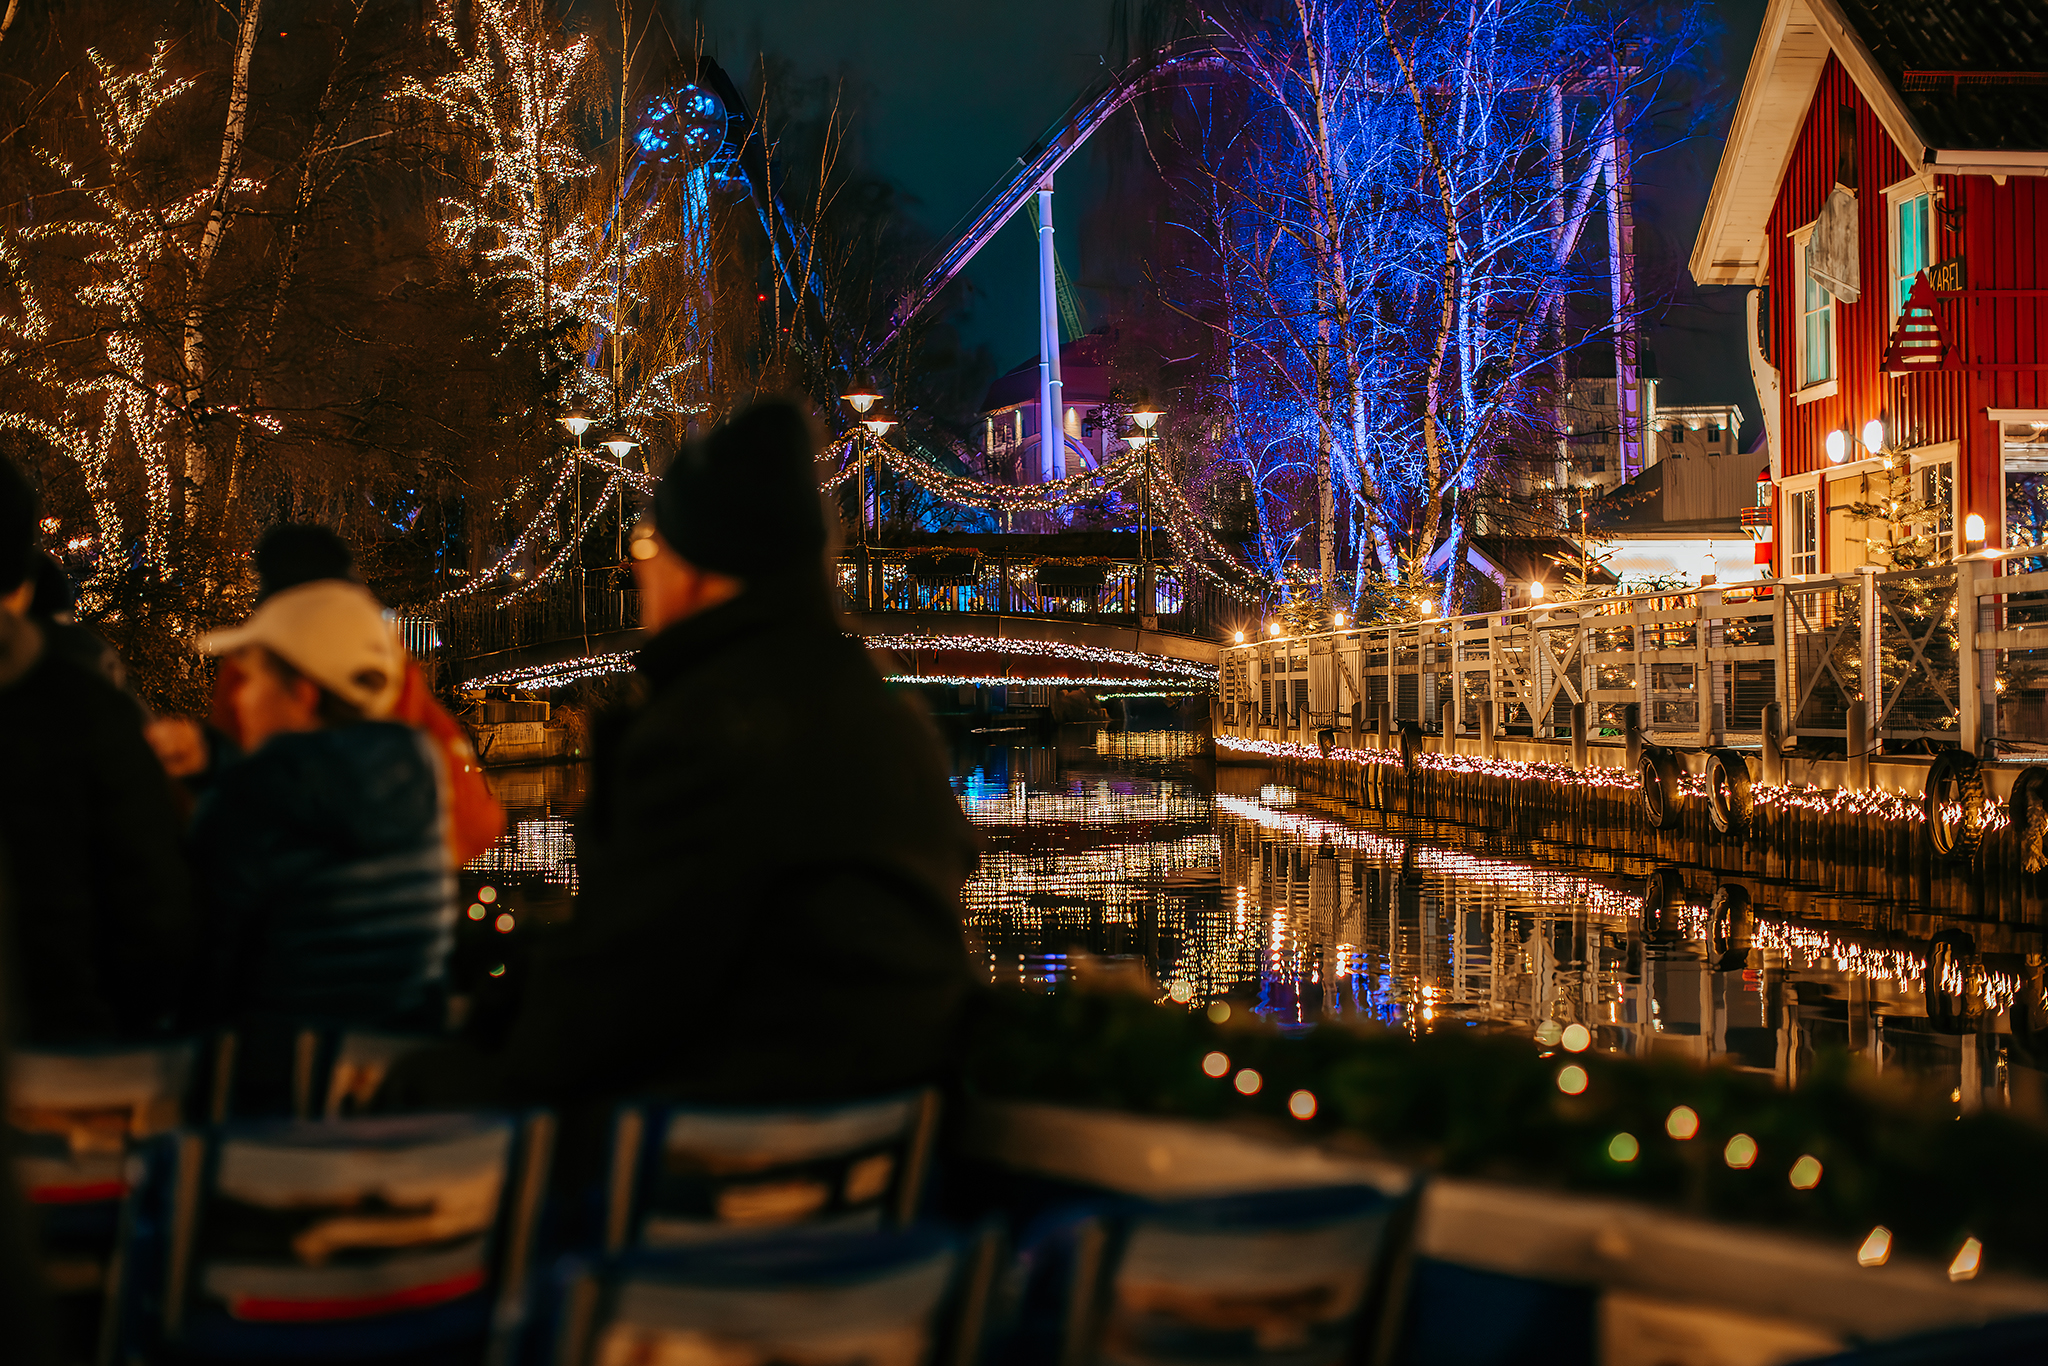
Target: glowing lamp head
1136,440
1240,637
1536,590
862,397
1427,606
878,422
1273,628
1337,618
1873,436
1837,446
620,445
577,421
1146,416
1973,529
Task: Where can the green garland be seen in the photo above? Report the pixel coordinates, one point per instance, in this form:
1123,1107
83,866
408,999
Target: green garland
1467,1102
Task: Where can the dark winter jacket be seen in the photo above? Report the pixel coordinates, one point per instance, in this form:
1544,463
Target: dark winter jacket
323,880
770,861
102,928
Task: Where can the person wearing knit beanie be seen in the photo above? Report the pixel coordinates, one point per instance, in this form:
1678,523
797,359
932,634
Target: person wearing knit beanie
767,789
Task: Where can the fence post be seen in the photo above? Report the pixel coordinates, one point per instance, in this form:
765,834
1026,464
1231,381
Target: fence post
1705,603
1859,746
1385,711
1447,728
1969,705
1486,706
1632,731
1579,737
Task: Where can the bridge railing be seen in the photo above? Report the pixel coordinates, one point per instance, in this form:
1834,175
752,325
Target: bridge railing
1699,667
1077,589
1091,589
553,612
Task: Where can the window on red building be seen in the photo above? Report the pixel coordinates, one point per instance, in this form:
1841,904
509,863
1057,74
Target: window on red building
1816,328
1912,239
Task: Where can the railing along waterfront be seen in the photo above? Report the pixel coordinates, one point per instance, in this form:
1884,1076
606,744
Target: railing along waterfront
1951,655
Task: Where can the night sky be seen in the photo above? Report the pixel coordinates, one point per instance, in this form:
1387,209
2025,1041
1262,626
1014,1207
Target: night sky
947,94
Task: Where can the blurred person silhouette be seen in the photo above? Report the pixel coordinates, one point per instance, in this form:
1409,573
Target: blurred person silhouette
767,795
320,855
101,936
295,553
53,608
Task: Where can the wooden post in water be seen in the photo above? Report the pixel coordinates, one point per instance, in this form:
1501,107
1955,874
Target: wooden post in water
1859,745
1632,730
1486,705
1579,736
1774,746
1449,727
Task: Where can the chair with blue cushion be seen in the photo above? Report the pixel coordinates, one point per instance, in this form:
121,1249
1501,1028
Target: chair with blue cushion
1304,1277
691,1174
912,1297
336,1240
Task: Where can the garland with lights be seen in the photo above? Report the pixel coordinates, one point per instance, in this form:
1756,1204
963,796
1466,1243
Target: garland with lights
1052,649
1834,1158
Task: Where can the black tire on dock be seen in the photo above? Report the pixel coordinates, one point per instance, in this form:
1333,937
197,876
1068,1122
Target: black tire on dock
1949,957
1954,805
1658,775
2029,795
1729,800
1411,746
1727,928
1663,893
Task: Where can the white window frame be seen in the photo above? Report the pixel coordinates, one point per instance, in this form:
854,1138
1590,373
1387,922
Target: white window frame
1949,453
1897,199
2001,416
1789,493
1820,388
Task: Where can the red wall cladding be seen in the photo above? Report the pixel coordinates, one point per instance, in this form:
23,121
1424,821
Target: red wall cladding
1994,232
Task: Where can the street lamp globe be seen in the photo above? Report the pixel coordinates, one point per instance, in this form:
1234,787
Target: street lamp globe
577,421
1837,446
620,445
1873,436
879,422
862,397
1146,416
1536,590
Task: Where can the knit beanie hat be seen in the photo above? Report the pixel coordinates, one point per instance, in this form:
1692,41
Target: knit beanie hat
744,499
18,506
293,553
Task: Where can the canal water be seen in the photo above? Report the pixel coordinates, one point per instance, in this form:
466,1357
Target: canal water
1131,854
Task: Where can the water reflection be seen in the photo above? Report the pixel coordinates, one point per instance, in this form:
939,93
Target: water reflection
1225,884
1301,909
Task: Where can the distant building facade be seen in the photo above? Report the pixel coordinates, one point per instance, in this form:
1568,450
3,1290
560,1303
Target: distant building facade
1009,418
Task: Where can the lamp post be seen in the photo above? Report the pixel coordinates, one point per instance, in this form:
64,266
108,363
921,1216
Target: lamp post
1146,417
621,446
578,422
862,397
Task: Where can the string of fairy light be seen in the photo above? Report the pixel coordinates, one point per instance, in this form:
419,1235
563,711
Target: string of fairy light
1197,677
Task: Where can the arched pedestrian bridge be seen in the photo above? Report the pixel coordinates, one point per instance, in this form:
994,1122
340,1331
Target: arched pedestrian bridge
987,610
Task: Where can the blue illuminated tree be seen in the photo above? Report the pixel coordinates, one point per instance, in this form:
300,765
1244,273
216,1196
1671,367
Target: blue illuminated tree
1393,215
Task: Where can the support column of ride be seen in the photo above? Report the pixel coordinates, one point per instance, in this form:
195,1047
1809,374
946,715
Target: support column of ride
1052,408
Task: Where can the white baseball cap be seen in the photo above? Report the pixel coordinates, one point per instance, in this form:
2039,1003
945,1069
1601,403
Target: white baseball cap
334,633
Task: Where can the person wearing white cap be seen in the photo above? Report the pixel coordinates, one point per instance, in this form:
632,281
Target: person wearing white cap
323,880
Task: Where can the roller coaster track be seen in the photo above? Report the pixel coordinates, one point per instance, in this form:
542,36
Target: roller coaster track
1190,61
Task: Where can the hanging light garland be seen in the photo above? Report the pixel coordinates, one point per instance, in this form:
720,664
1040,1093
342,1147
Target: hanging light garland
1053,649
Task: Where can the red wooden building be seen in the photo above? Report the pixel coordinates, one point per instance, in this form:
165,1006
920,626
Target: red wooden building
1879,147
